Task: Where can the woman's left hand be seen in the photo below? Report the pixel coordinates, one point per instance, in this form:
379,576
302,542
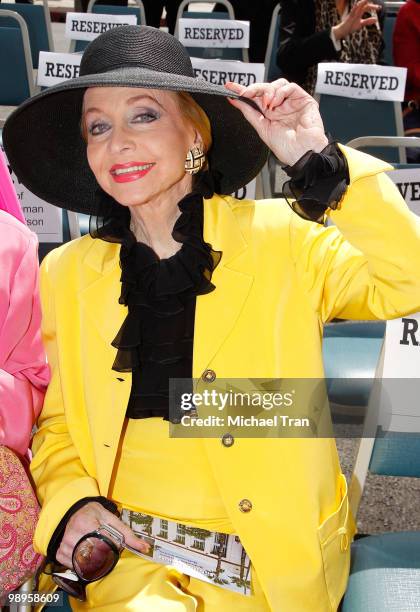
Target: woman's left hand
289,122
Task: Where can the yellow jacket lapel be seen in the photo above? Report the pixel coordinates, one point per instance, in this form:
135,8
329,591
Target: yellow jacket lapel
217,312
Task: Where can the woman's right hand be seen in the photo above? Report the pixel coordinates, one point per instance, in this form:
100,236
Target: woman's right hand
354,20
88,519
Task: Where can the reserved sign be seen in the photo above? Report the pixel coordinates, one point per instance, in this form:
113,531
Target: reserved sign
214,33
87,26
365,81
400,405
218,71
54,68
408,182
42,218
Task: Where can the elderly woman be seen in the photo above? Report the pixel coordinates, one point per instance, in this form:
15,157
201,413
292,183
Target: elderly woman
177,279
328,31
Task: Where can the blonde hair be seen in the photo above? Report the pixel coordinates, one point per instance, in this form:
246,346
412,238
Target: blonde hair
195,115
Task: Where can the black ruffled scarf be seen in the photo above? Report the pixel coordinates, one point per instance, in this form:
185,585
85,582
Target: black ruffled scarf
155,341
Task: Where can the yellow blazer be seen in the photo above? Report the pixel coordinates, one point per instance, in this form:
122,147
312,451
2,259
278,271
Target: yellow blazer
279,280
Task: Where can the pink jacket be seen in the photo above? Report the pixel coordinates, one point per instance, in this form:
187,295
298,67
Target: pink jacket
24,373
8,199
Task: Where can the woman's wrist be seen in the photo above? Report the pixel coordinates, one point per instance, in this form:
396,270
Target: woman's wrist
339,31
57,536
316,146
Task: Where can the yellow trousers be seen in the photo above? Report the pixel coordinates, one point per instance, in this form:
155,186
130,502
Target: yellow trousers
144,586
169,478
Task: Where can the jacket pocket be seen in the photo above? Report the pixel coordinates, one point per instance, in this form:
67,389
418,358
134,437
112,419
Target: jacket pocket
335,535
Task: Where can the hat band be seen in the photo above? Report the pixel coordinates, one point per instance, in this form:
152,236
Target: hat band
136,64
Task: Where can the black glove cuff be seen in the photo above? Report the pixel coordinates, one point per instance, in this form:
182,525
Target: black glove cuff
318,182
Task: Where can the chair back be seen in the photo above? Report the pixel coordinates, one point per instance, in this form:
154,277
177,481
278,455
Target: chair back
112,9
38,21
272,71
16,75
396,454
388,38
351,351
348,118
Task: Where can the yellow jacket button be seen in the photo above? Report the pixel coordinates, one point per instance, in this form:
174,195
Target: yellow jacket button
245,505
209,375
228,440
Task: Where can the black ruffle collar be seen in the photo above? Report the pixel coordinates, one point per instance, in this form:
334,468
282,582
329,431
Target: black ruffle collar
161,285
155,341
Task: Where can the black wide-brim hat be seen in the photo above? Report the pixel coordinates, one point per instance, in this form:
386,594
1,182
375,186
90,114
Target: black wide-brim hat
43,140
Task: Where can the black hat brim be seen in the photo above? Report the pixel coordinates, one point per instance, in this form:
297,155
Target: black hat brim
44,145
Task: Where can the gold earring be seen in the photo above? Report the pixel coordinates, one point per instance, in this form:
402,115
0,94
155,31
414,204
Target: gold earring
195,160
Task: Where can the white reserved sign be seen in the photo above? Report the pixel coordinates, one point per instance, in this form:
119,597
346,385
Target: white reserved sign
87,26
214,33
408,182
54,68
400,399
42,218
365,81
219,71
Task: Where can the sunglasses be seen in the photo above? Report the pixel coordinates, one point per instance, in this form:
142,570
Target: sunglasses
94,557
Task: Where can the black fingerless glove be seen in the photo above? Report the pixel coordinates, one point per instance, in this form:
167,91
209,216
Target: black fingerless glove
318,182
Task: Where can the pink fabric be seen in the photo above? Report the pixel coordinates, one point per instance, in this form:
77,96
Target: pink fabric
8,198
24,373
18,516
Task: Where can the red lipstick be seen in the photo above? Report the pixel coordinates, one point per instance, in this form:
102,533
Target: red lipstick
131,171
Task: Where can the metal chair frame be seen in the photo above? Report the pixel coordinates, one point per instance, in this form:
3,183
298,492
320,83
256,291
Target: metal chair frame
271,38
400,142
393,7
74,225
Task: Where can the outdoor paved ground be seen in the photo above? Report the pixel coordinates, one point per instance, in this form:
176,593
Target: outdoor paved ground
388,503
